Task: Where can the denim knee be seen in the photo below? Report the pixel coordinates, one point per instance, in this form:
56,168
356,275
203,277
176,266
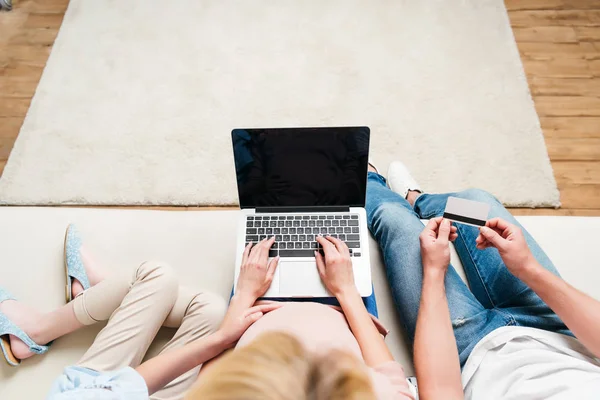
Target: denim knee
477,195
393,213
393,216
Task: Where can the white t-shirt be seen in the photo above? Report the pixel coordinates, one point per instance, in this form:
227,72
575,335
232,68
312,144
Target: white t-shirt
526,363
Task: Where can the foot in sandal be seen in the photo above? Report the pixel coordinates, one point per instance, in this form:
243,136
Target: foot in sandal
19,319
82,272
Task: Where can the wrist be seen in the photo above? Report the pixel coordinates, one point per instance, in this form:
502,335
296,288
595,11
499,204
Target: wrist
527,269
346,293
221,340
243,299
434,273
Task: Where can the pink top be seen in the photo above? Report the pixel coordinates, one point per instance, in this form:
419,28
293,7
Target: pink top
321,328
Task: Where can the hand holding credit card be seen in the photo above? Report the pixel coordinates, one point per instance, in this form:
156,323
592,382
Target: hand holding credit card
467,212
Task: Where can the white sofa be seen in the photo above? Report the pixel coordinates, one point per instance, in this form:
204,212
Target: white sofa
200,246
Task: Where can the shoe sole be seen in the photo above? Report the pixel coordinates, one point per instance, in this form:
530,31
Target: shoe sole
68,294
7,351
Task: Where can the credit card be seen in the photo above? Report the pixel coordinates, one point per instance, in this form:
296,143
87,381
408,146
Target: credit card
467,212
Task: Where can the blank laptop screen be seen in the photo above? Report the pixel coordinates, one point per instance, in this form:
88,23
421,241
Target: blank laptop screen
301,167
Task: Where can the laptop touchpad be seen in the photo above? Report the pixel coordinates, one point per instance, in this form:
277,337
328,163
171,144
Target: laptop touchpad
300,278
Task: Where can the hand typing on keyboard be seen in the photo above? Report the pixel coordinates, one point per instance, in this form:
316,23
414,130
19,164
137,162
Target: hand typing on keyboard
335,268
295,234
256,272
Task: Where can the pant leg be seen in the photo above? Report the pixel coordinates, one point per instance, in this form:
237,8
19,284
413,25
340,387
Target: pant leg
151,294
396,227
491,282
97,303
197,315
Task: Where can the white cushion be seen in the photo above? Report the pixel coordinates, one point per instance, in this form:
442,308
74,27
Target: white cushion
200,246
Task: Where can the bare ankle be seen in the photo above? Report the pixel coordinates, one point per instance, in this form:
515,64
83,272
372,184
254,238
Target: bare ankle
412,196
94,271
37,331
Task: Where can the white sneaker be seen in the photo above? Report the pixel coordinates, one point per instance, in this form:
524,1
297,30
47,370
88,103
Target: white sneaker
400,180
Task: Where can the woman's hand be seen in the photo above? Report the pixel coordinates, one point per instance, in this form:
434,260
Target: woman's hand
510,242
335,268
435,244
237,321
255,274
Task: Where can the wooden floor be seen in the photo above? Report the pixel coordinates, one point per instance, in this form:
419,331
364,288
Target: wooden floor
559,42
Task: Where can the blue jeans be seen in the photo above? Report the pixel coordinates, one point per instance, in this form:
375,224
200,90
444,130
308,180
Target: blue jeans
496,299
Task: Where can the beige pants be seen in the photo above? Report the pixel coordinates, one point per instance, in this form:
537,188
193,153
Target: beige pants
136,308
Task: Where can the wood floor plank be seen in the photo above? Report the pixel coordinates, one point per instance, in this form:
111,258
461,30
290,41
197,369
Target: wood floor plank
44,6
547,34
519,5
17,87
10,24
35,37
581,4
9,129
23,71
564,86
27,54
572,149
577,172
579,183
5,148
14,107
558,68
587,34
551,51
527,18
568,106
579,196
43,20
9,126
595,68
571,127
581,212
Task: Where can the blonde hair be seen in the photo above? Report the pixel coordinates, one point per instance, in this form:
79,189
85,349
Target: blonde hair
276,366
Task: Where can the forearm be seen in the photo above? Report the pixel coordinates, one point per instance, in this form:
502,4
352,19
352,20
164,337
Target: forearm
580,312
372,345
435,353
162,369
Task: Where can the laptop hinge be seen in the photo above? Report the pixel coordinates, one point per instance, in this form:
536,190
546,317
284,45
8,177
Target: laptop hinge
311,209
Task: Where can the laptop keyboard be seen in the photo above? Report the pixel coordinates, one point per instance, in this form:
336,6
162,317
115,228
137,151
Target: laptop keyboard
295,234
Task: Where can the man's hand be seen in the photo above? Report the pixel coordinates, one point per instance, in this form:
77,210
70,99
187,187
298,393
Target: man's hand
255,274
435,239
236,322
335,268
509,241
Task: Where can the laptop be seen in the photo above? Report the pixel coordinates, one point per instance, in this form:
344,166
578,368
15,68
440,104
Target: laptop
295,184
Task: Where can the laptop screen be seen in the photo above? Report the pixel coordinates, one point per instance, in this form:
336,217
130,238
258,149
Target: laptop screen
301,167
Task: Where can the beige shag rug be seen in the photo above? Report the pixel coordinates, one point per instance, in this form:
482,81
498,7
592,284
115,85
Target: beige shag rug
138,98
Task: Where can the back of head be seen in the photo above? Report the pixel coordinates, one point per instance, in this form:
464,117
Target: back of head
276,366
338,375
